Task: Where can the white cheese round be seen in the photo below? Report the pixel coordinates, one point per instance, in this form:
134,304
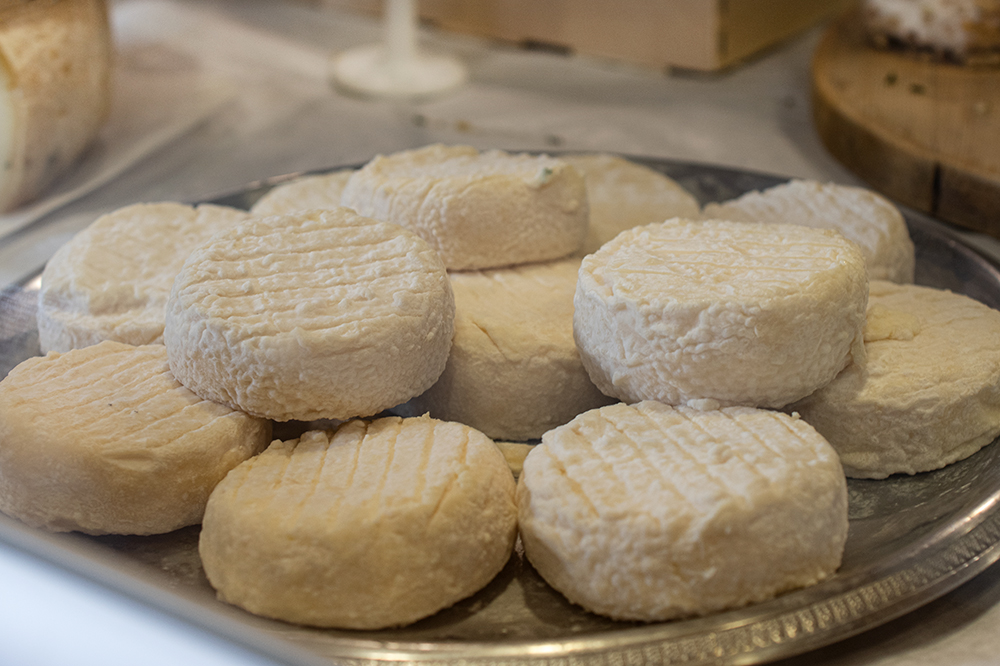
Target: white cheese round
319,314
478,210
514,370
650,512
862,216
104,440
928,391
55,91
374,525
303,193
111,280
719,313
622,194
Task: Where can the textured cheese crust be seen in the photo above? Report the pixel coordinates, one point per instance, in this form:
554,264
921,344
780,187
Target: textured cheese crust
320,314
514,370
55,92
928,393
478,210
104,440
965,30
720,313
862,216
111,281
375,525
622,194
303,193
649,512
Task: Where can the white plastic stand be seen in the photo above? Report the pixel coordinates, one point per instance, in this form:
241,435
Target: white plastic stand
396,69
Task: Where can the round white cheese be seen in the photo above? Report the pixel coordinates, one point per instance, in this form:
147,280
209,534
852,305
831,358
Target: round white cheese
373,525
862,216
514,370
622,194
111,280
650,512
319,314
104,440
928,391
720,313
55,92
303,193
477,210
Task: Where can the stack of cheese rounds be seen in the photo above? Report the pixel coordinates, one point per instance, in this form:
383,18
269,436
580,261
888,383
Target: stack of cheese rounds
586,302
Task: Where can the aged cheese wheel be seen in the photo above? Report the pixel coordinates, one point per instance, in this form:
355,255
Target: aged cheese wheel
928,391
477,210
720,313
862,216
55,64
104,440
111,280
650,512
318,314
373,525
514,370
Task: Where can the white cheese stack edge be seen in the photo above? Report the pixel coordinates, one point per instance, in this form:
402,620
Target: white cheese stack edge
928,391
862,216
477,210
376,524
111,280
650,512
719,313
315,315
514,371
55,72
104,440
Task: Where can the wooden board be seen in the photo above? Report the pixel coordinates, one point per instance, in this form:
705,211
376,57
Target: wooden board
922,132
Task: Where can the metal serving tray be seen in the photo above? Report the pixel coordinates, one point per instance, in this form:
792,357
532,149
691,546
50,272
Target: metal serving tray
911,539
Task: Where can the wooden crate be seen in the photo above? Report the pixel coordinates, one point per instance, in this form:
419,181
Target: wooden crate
704,35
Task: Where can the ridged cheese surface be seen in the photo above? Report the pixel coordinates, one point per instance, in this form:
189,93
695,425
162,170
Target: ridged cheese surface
622,194
303,193
478,210
862,216
928,393
719,313
649,512
372,525
320,314
514,370
104,440
111,280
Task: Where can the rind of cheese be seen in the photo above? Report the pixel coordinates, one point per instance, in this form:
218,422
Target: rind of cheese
374,525
319,314
623,194
303,193
928,393
477,210
862,216
104,440
111,280
55,91
964,30
514,371
720,313
649,512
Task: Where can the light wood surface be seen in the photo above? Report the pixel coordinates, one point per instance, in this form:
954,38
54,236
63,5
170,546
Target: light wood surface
924,133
